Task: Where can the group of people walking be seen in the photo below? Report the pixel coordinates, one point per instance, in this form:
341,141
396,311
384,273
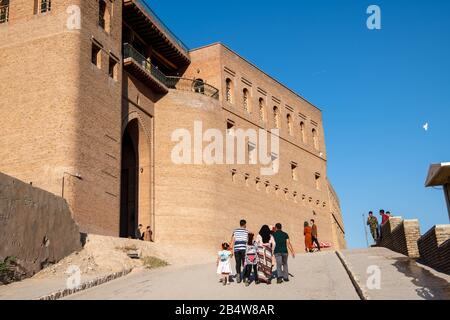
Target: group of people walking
258,254
374,226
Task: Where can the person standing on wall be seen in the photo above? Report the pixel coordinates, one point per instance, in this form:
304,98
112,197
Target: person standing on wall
372,222
314,234
238,242
282,243
384,219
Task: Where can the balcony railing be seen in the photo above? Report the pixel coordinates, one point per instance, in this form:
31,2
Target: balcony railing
193,85
197,86
163,26
130,52
4,13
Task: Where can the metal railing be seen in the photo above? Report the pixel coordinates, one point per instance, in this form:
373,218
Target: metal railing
163,26
4,13
192,85
130,52
184,84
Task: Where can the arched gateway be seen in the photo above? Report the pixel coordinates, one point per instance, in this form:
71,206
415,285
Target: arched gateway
135,188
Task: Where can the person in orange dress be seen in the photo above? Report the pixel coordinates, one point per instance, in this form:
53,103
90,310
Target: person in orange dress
308,237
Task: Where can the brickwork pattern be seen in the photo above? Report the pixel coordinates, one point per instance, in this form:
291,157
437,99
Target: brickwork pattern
434,248
70,118
401,236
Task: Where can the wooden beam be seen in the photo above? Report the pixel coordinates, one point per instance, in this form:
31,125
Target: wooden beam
164,60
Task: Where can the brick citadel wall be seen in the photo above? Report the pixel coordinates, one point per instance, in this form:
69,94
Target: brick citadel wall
431,248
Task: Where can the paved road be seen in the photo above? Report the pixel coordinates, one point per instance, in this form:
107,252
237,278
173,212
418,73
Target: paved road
401,278
315,276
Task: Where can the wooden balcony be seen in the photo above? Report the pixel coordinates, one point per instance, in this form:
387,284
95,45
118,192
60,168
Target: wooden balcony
141,68
141,19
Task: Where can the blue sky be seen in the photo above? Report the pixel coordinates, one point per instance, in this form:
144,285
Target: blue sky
376,88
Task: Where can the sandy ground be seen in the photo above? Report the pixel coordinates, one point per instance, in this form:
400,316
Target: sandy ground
101,256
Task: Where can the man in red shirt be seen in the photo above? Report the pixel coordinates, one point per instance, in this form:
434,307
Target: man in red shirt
384,217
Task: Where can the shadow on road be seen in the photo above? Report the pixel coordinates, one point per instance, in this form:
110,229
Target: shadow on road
429,286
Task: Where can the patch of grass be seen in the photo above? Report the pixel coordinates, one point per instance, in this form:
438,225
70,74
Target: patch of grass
153,262
5,266
11,271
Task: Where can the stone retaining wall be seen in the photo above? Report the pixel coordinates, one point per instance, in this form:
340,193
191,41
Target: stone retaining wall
36,227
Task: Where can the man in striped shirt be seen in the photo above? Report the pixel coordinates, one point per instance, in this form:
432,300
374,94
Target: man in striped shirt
238,242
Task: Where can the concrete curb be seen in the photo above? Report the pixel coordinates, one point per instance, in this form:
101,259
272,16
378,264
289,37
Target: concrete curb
84,286
362,293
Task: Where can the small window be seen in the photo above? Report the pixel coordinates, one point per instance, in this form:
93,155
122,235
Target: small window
267,186
245,100
113,68
302,131
276,117
104,18
275,163
258,184
229,90
44,6
289,124
233,175
295,196
315,139
101,14
230,127
317,179
252,157
246,178
294,172
96,55
262,113
276,189
4,11
286,193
